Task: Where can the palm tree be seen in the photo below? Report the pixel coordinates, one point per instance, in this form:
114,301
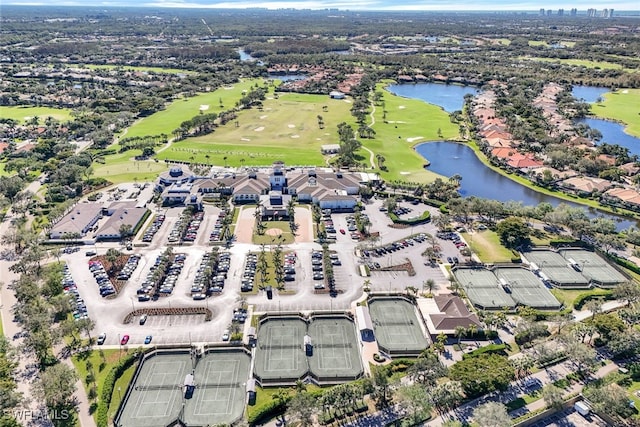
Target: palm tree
429,284
460,332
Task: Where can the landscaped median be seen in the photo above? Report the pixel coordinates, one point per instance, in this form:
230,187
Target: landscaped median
425,217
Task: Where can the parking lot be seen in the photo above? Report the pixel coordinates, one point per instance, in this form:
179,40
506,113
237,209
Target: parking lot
301,294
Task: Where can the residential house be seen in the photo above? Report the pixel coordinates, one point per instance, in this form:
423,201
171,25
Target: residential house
585,185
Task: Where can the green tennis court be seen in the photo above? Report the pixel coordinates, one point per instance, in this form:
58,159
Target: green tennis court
556,268
527,289
594,267
483,288
335,349
280,355
157,395
396,326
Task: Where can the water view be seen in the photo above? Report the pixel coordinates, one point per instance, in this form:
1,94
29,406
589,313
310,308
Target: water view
613,133
588,94
449,97
449,158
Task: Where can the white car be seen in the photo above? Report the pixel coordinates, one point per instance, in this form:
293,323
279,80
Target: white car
101,338
225,335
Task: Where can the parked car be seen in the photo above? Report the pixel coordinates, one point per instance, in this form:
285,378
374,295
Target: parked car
101,338
148,339
225,335
124,340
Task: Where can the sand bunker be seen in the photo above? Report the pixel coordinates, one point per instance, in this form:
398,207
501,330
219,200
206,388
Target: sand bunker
405,173
260,129
625,91
228,88
295,136
273,232
402,107
415,138
263,117
396,121
204,107
245,139
291,126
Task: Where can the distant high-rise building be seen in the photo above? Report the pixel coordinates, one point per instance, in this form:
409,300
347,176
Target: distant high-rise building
574,11
591,13
560,12
549,12
605,13
610,13
541,12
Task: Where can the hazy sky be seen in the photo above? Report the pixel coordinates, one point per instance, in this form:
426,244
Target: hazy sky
353,4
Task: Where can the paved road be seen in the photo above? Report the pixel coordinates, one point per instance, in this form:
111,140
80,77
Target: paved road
27,368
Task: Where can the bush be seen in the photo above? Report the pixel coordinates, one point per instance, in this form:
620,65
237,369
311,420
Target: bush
488,349
626,264
582,299
107,388
425,217
268,410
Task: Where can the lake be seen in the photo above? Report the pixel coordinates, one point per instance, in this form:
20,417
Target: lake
588,94
450,158
449,97
613,133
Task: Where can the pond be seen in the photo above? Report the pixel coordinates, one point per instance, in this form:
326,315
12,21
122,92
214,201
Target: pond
287,77
449,97
588,94
613,133
449,158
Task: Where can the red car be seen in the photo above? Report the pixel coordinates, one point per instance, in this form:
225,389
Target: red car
342,231
124,340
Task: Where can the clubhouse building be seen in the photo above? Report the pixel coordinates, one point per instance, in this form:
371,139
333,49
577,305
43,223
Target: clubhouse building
272,187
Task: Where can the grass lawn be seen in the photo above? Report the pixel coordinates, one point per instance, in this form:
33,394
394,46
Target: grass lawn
568,296
486,244
23,113
524,400
287,235
2,171
119,390
286,129
169,119
622,105
265,396
122,168
408,122
602,65
111,356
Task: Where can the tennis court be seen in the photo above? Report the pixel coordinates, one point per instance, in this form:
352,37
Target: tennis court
220,379
396,326
555,267
594,267
483,289
336,351
157,395
280,354
527,289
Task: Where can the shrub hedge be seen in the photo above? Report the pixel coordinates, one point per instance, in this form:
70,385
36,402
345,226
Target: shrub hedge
425,217
582,299
102,416
487,349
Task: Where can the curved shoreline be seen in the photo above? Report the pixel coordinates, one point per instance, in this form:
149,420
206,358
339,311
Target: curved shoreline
528,184
622,123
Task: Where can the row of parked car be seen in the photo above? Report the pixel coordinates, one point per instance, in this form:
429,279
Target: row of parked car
153,229
216,234
191,232
248,277
102,278
129,267
70,289
290,260
203,285
395,246
454,237
169,278
401,210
